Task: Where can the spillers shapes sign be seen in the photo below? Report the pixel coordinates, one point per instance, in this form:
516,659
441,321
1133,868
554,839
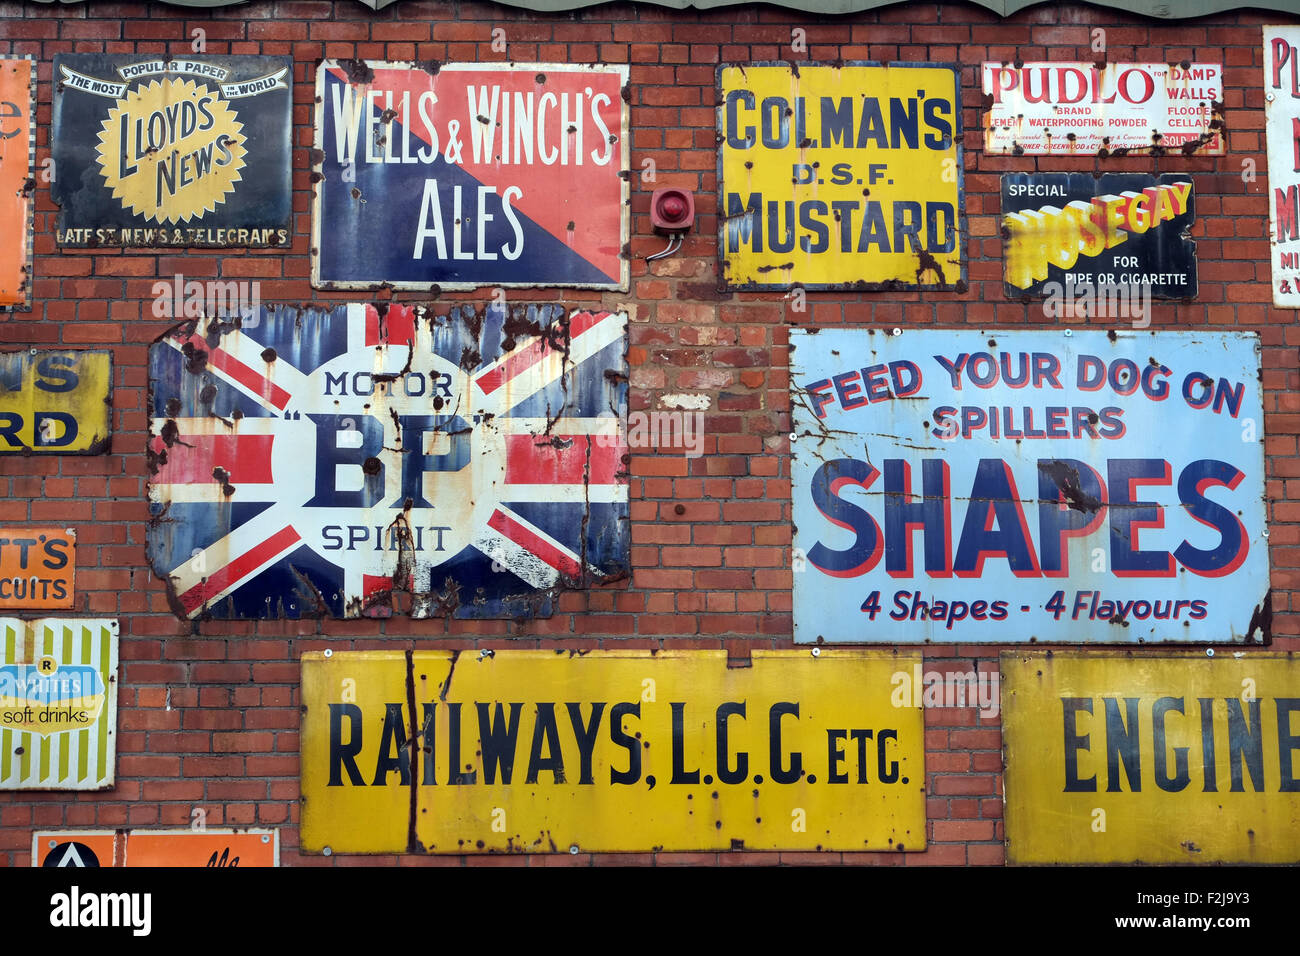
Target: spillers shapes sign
172,152
311,463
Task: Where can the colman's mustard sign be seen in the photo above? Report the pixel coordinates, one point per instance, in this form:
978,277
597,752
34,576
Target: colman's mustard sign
1182,758
846,176
186,151
546,752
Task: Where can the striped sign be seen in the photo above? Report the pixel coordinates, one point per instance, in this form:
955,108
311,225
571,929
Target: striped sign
58,704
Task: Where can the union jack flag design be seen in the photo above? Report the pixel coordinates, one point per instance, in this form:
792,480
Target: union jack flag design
311,463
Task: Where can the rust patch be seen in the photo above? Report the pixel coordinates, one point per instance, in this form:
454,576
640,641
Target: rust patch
358,73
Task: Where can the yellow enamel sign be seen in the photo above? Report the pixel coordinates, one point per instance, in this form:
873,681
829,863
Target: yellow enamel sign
840,176
1183,758
55,402
544,751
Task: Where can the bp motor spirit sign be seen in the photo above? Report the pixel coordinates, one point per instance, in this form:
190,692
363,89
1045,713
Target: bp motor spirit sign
464,175
1006,486
162,151
312,463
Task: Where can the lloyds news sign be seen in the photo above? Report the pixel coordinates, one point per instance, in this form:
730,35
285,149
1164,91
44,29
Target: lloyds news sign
163,151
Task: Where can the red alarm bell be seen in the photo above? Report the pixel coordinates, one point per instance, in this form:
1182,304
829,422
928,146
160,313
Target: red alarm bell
672,209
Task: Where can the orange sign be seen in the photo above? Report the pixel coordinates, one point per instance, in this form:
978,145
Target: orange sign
36,568
172,848
17,142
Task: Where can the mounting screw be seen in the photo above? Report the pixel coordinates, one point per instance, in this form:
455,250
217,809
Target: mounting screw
794,436
266,838
573,850
1068,333
1209,652
328,652
327,851
816,652
486,652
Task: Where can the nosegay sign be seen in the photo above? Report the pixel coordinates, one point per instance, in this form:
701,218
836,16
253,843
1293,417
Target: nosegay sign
1099,487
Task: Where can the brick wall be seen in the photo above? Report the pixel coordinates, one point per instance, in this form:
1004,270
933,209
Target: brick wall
209,712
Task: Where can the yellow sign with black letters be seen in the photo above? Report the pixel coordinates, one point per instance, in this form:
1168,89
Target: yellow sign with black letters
840,176
1182,758
546,751
55,402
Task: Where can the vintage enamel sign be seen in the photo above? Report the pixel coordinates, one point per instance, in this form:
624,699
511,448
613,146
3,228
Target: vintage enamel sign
208,847
314,463
844,176
538,752
1109,109
1006,486
459,175
172,151
1120,240
55,402
37,568
17,149
1181,758
58,704
1282,120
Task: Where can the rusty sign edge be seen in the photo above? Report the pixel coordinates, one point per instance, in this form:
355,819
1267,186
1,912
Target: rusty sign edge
29,264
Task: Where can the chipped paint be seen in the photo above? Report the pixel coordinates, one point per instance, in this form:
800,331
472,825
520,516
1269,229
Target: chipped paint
321,463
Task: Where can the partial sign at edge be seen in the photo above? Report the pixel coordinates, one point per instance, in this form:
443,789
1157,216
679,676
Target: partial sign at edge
1282,114
37,568
17,159
214,847
1181,758
56,402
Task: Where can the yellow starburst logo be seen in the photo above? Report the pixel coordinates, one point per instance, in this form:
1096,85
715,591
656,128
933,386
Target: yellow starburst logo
171,150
